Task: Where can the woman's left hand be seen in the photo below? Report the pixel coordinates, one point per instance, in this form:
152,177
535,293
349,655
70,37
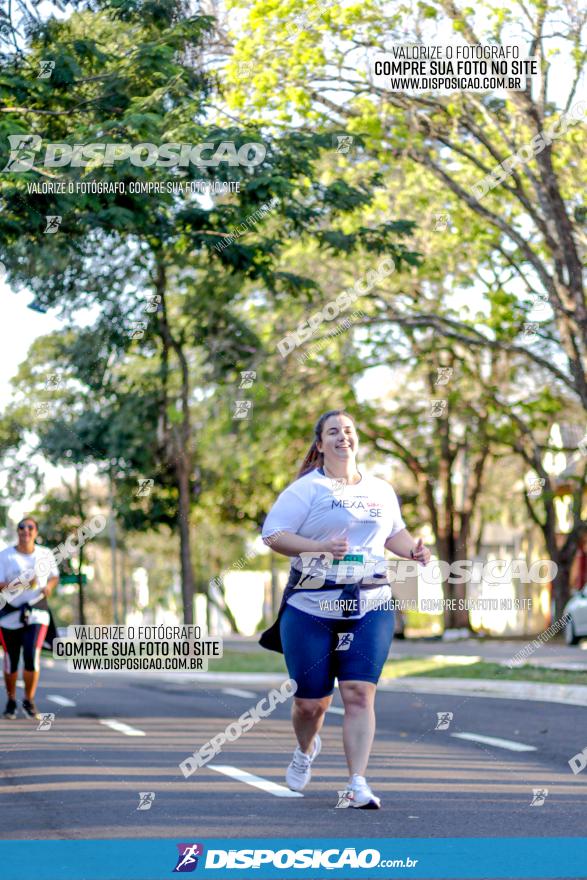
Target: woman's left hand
421,553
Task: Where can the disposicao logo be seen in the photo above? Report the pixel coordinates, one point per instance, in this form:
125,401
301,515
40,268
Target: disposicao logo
187,859
26,154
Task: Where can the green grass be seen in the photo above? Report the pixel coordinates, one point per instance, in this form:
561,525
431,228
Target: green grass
428,667
421,667
248,661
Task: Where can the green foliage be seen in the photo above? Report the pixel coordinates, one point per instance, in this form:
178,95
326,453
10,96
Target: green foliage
235,282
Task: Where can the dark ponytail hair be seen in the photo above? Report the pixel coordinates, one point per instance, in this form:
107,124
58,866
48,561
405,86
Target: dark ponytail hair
315,459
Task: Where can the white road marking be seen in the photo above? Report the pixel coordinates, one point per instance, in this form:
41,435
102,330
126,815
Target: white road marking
236,692
119,727
336,710
256,781
61,701
495,741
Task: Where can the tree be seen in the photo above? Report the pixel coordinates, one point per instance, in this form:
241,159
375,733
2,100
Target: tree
529,434
117,247
525,235
533,219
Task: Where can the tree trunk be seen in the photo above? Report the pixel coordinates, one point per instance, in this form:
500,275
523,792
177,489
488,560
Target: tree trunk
187,574
80,583
112,530
178,444
123,586
80,576
561,585
563,558
454,617
224,609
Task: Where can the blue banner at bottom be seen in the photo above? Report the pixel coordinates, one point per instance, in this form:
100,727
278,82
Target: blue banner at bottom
271,858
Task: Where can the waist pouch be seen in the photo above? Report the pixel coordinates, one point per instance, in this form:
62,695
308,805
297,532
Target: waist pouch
271,638
25,610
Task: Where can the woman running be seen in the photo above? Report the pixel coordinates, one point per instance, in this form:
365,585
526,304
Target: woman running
28,574
335,522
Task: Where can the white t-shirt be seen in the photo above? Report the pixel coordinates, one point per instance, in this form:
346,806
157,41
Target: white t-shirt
320,507
13,564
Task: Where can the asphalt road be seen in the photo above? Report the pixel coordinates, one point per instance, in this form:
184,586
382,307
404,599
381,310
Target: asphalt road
81,778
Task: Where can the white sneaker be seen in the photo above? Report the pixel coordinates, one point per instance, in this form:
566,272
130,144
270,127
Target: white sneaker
299,771
361,797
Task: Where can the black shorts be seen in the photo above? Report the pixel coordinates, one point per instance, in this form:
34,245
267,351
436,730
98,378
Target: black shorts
29,640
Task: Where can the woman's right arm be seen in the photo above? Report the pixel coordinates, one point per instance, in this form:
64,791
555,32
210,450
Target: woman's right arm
23,581
286,518
290,544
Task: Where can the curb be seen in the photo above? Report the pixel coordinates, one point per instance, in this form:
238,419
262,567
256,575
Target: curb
569,694
561,665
